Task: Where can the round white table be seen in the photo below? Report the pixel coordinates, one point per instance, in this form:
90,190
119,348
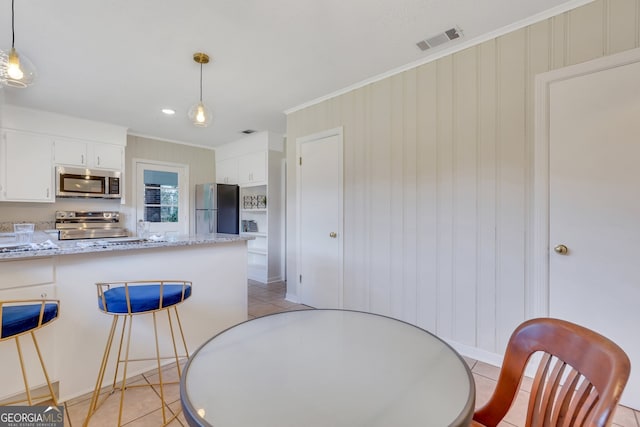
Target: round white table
326,368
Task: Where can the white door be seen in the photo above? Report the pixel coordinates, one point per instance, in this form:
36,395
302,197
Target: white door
595,207
162,197
320,220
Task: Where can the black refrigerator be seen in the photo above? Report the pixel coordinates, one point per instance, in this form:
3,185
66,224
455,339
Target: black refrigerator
217,208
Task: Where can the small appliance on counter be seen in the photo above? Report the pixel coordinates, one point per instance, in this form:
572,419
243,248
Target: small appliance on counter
88,225
217,208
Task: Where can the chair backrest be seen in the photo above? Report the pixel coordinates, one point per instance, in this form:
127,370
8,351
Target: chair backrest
579,380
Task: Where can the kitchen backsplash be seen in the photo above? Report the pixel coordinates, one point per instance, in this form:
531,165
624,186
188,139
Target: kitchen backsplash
43,215
7,227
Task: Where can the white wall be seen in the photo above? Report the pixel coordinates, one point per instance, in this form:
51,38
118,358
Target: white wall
439,177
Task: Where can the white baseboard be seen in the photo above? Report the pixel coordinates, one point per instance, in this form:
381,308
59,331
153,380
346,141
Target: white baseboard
493,359
477,354
292,298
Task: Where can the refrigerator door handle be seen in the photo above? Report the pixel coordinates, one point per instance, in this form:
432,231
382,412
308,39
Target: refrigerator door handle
212,221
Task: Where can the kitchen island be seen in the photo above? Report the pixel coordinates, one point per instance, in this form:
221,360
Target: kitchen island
73,345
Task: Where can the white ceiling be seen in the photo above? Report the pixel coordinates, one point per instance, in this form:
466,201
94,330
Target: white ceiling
122,61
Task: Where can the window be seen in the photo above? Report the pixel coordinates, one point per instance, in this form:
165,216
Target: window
162,196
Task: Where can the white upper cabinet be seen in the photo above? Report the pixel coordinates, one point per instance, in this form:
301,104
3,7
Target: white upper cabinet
27,167
252,168
244,162
107,156
227,171
247,169
33,142
68,152
88,154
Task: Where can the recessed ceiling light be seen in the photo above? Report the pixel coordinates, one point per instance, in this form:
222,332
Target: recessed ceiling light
168,111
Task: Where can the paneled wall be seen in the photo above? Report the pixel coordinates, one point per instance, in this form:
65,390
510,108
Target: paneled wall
438,167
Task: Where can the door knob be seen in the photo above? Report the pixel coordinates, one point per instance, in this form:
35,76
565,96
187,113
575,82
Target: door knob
333,235
561,249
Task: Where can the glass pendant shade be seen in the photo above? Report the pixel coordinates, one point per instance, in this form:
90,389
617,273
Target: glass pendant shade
16,70
200,115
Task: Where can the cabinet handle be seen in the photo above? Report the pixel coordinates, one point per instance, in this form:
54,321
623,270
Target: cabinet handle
82,159
98,160
47,193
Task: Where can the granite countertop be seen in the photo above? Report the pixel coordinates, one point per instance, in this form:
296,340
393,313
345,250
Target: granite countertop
46,244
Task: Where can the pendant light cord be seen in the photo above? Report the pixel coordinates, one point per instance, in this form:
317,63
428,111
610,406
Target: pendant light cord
13,32
201,82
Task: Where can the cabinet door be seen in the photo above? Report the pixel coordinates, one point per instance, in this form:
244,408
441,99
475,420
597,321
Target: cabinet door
252,168
107,156
28,165
227,171
68,152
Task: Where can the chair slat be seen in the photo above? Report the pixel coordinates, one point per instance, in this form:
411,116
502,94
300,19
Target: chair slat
551,390
561,416
588,405
537,390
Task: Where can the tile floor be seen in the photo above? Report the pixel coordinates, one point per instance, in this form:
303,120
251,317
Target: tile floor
143,408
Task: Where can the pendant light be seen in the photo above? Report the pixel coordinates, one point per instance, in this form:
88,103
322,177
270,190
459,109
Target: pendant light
15,70
199,114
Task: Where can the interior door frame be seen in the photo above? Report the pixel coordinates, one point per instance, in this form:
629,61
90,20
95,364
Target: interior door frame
299,141
539,273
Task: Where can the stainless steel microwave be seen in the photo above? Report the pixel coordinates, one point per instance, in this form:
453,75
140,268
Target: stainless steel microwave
80,182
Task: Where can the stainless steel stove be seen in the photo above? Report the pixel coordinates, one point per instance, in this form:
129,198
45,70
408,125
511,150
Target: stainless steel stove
89,225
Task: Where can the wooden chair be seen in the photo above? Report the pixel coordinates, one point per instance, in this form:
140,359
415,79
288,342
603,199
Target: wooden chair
578,382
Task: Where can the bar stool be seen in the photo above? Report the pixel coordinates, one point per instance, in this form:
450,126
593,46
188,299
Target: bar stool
125,300
21,317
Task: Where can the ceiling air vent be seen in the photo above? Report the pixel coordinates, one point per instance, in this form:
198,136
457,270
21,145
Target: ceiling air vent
248,131
439,39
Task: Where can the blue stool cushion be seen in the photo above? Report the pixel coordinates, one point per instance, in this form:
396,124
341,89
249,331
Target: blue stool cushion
17,319
143,298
